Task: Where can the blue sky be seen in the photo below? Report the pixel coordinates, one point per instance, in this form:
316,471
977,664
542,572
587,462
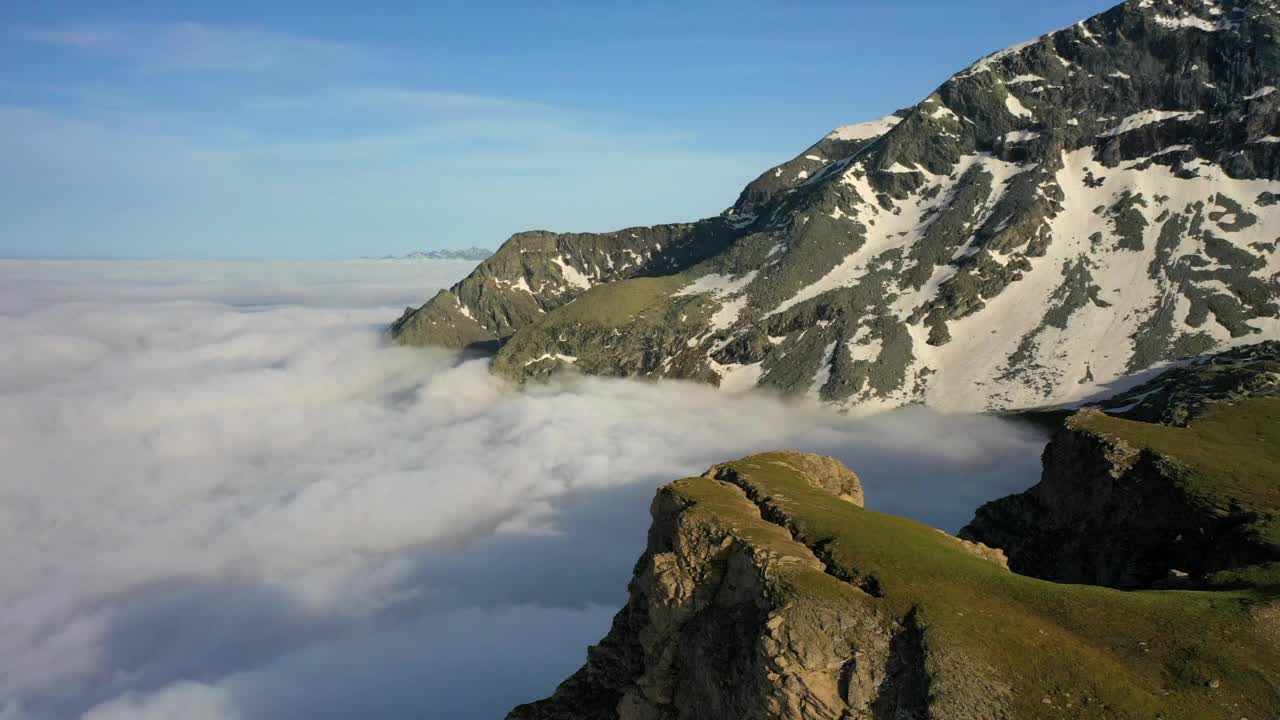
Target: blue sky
243,129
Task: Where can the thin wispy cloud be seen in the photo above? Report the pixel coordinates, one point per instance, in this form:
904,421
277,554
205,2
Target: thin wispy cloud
294,144
198,46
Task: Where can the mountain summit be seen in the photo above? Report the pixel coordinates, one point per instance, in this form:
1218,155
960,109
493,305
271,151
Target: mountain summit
1061,214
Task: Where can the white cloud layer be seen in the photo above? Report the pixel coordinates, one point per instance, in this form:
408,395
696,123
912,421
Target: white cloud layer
224,497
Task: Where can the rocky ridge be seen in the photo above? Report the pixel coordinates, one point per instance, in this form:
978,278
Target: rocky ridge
1114,182
1188,392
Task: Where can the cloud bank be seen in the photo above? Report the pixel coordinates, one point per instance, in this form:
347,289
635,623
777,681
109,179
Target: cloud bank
225,497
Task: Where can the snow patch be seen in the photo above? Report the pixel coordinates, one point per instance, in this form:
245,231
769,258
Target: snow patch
1015,107
1191,22
737,378
866,130
1147,117
571,274
1020,136
729,291
984,65
552,356
824,372
942,112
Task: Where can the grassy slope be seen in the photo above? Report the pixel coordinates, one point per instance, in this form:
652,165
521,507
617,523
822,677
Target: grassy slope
1092,652
637,308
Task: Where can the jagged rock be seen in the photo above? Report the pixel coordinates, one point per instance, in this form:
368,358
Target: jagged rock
986,552
1112,182
713,628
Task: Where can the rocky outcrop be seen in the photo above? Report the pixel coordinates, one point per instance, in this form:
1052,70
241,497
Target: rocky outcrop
534,273
1187,393
1177,482
768,591
1112,182
1108,513
715,629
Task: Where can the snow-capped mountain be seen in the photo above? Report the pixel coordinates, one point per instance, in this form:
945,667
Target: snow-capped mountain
1058,216
474,254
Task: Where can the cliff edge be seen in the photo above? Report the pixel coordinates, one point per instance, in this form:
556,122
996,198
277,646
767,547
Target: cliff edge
768,591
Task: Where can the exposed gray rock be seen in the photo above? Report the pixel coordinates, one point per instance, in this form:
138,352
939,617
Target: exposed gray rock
1183,394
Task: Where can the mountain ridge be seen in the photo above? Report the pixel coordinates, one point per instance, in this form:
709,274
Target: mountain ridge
1114,182
472,253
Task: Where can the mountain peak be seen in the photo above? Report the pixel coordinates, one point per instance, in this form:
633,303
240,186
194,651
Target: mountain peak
1058,216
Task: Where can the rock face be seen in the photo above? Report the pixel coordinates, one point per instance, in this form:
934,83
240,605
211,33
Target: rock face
1178,479
1184,394
535,273
1114,182
767,591
715,627
707,632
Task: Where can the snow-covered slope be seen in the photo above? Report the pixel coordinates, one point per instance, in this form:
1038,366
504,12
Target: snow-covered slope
1058,217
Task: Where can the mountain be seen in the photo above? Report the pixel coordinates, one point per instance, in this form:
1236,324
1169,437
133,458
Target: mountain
768,591
1058,216
474,254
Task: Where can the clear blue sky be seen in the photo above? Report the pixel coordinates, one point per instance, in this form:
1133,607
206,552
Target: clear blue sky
236,128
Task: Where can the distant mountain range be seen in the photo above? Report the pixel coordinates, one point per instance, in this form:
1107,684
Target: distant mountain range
1062,214
474,254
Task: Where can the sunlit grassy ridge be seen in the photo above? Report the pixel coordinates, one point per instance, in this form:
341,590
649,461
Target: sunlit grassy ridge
622,324
1046,649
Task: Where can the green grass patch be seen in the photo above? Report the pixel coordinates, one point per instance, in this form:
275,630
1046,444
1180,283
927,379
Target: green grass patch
619,303
610,328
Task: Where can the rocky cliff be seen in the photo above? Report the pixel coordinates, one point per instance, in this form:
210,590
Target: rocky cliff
1113,183
768,591
1176,483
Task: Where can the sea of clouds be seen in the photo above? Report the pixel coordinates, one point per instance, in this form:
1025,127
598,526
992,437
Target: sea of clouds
224,496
